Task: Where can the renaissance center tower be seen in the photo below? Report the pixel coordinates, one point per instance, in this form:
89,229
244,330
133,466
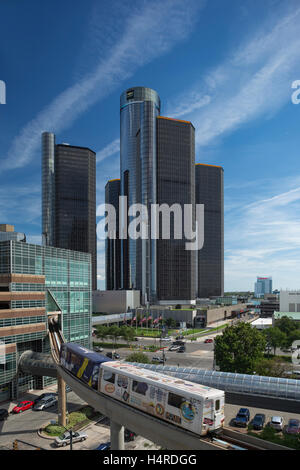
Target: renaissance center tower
139,108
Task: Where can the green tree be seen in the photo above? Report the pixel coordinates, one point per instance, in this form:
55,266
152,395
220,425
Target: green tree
138,357
275,337
170,322
286,325
102,332
114,333
239,348
272,367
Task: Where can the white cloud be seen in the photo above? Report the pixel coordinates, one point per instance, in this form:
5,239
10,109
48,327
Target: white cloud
264,239
151,30
108,151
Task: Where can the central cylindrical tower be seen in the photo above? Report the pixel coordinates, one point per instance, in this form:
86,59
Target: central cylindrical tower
139,108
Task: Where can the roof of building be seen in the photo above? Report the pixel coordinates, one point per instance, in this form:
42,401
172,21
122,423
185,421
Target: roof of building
206,164
262,321
292,315
173,119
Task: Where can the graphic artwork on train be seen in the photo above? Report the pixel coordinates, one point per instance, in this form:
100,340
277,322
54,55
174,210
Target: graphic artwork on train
82,362
195,407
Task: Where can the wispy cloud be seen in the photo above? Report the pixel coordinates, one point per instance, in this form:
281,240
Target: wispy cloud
108,151
265,239
151,30
255,81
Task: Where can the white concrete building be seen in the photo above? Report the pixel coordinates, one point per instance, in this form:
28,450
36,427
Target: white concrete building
115,301
289,301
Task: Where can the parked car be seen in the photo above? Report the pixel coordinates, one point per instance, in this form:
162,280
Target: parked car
22,406
3,414
129,435
174,347
179,337
45,402
43,396
104,446
167,338
113,355
277,423
259,421
209,340
178,343
293,426
98,349
157,359
242,417
181,349
65,439
68,389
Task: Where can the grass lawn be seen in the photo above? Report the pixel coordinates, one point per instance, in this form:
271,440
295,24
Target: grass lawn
155,333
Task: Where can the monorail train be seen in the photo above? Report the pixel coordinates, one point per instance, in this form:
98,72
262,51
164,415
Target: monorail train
82,362
189,405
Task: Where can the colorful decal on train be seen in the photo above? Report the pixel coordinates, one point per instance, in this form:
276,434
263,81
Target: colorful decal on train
109,388
188,411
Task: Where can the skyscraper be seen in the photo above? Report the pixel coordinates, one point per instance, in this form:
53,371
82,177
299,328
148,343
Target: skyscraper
113,245
176,266
263,286
69,198
139,108
210,192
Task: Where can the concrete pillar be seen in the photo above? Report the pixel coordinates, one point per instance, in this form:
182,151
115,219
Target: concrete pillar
61,389
116,436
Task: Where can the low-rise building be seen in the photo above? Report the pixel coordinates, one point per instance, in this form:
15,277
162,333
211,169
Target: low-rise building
35,282
115,301
291,315
289,301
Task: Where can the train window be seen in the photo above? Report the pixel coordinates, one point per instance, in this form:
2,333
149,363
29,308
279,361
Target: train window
108,376
217,405
175,400
139,387
122,381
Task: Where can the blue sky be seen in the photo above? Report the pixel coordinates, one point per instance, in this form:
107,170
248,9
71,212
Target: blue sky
226,66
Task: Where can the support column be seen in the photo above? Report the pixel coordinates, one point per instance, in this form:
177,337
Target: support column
61,389
116,436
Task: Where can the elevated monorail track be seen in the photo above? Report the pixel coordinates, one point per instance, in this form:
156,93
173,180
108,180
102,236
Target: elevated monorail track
167,435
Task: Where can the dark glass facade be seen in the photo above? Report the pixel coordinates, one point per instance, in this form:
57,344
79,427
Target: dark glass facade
176,266
113,246
139,108
69,198
210,192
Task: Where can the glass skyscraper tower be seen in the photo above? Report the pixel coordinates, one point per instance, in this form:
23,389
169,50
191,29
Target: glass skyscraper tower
139,108
69,198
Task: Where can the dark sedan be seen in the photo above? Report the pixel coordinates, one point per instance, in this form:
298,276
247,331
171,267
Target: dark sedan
259,421
3,414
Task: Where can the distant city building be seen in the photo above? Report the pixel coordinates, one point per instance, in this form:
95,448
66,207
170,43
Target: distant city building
112,301
210,192
263,286
36,281
290,301
113,245
69,198
268,307
7,232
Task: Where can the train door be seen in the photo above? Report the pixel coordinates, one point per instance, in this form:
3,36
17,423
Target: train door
218,412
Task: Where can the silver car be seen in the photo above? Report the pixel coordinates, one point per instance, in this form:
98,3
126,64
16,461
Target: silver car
45,403
277,423
65,439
